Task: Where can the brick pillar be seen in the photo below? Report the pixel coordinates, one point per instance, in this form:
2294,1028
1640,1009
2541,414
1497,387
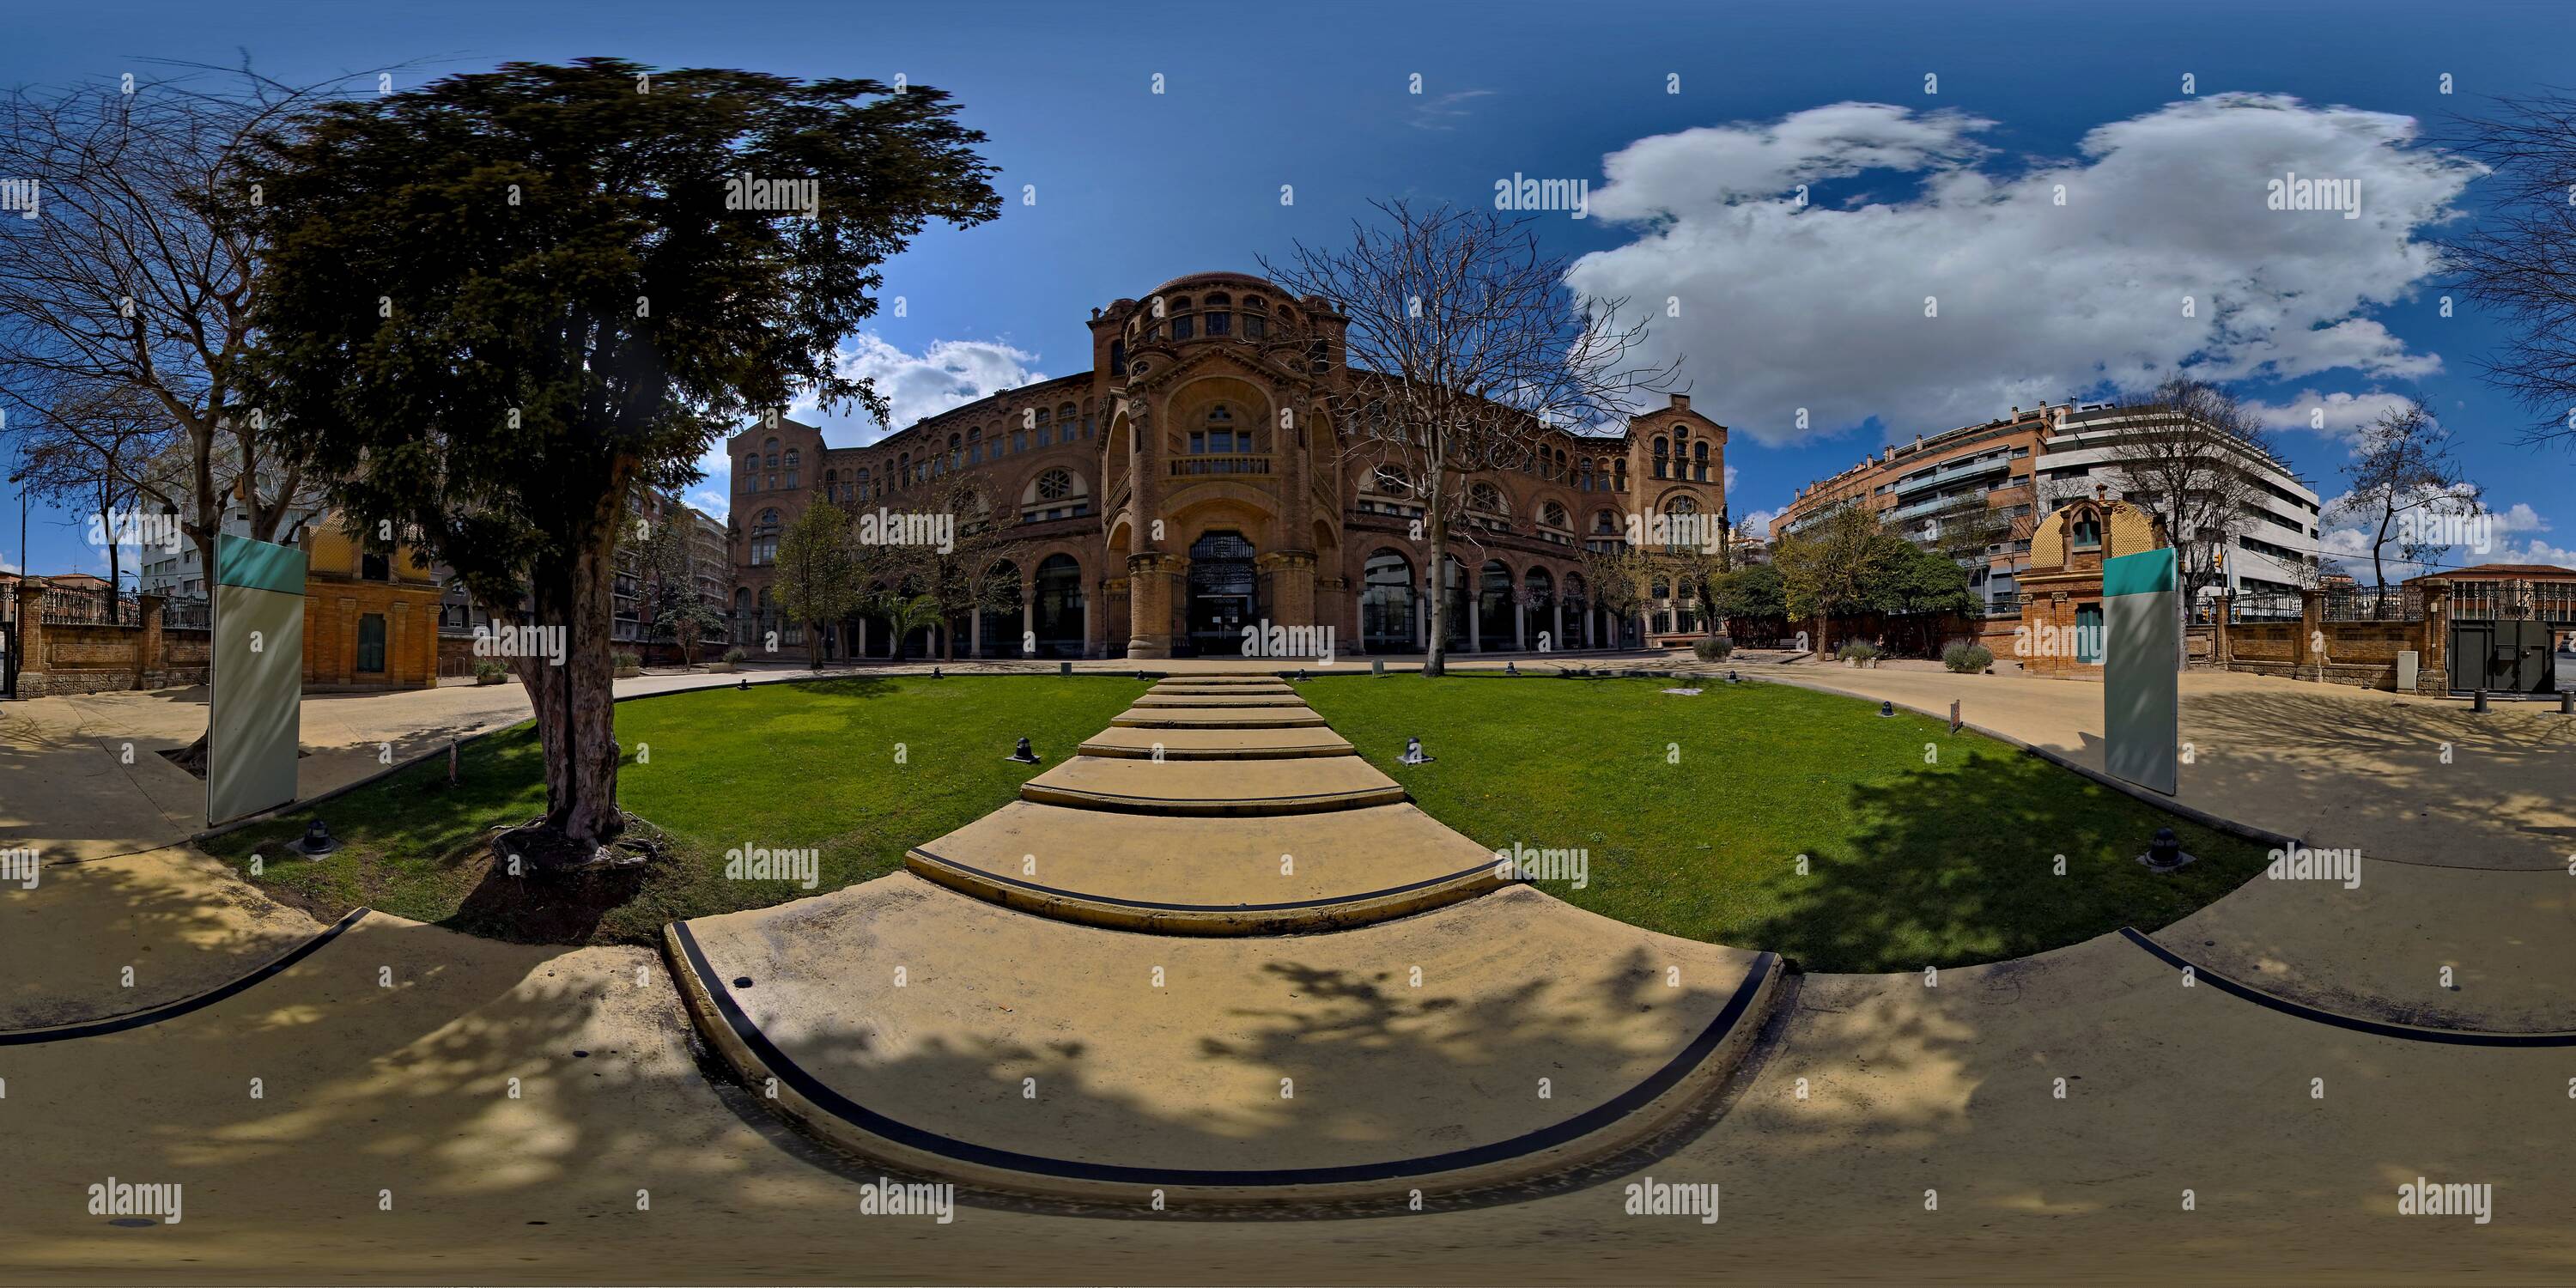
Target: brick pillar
148,655
398,640
31,637
2221,647
2433,649
1149,603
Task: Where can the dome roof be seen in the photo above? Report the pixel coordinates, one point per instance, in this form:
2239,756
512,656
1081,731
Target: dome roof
1195,280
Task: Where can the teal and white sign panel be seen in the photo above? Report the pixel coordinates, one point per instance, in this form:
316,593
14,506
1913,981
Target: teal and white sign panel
258,676
2141,697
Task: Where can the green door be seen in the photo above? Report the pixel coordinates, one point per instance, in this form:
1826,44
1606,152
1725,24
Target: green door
371,643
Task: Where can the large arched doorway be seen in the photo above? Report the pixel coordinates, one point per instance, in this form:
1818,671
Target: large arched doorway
1224,594
1059,607
1539,611
1386,604
1494,608
1000,607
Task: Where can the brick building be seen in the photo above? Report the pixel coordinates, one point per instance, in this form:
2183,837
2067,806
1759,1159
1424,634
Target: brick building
370,620
2060,634
1201,477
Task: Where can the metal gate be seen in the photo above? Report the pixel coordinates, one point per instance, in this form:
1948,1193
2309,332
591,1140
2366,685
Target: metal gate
2502,656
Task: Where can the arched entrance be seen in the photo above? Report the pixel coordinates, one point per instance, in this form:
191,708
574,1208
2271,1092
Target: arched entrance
1223,595
1386,604
1058,616
999,630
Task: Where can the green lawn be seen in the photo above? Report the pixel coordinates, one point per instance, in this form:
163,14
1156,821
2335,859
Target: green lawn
1909,863
780,766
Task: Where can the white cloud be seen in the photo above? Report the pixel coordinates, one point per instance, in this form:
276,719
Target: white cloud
1822,307
1445,111
945,374
2510,536
2342,414
1730,479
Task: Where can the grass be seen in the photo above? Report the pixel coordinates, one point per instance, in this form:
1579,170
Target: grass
780,766
1921,848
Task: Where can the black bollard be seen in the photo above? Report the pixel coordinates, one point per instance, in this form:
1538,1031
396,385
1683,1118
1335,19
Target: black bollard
1023,754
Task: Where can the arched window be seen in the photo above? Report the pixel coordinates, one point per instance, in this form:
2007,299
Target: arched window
764,540
1054,494
1386,601
1699,461
1183,327
1219,322
1220,437
794,458
1118,357
1486,497
1064,421
1552,515
772,448
1663,453
1391,480
974,444
1583,478
1619,475
1045,422
1055,485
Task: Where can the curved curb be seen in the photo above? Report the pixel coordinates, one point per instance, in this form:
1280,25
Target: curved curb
1213,807
1631,1116
2375,1028
173,1010
1332,912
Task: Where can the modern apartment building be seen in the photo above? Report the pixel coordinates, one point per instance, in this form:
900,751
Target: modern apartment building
1996,478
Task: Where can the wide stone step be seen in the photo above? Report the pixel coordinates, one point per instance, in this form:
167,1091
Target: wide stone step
1228,699
1204,876
1491,1041
1218,744
1219,679
1217,718
1173,686
1214,787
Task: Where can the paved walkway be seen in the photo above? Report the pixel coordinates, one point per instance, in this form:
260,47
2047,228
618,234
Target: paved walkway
389,1060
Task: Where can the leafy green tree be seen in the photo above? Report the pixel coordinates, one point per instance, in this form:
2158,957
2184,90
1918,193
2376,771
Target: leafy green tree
903,614
1751,594
495,304
1830,568
815,580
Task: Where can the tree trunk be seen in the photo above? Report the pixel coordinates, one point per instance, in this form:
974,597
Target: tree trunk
1435,660
575,714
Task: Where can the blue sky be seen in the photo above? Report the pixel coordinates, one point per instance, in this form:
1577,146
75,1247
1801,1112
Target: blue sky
2059,194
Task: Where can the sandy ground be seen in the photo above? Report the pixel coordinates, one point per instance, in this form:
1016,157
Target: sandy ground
436,1108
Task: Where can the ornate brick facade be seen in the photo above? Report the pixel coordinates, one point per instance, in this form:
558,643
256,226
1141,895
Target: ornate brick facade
1196,480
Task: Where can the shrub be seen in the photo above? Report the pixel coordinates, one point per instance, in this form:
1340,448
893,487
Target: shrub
1715,648
735,655
1856,651
488,671
626,661
1967,659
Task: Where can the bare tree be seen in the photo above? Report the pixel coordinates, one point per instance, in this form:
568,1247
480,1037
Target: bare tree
83,443
1469,352
977,566
2185,453
2408,488
2520,258
140,272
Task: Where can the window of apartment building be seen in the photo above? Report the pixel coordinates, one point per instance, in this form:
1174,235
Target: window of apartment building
371,643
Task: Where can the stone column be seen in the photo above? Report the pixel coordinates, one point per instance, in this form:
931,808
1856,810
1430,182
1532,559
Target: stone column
1476,615
1028,618
863,642
31,637
1292,586
396,635
1520,625
1149,602
148,657
1589,613
975,631
1556,622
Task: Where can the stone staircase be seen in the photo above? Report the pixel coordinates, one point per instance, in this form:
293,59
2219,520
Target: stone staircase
1217,957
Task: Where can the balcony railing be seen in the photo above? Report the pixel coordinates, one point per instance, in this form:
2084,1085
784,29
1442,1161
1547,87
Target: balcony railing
1187,465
